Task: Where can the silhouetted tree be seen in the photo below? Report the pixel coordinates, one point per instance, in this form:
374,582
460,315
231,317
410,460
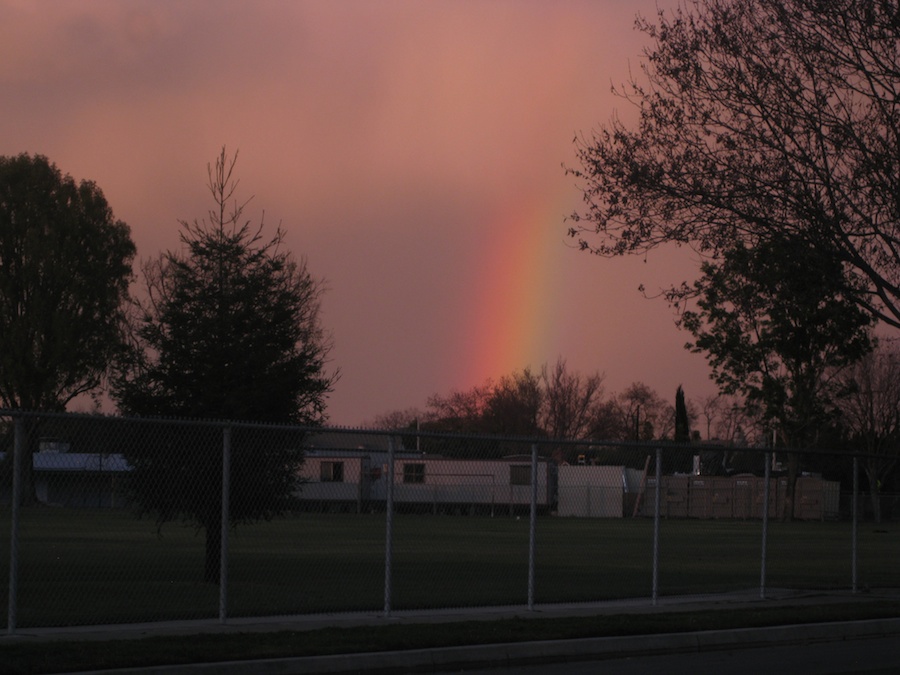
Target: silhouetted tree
759,119
643,414
65,267
571,402
229,330
709,411
506,408
459,411
396,419
514,405
558,403
870,412
682,422
775,331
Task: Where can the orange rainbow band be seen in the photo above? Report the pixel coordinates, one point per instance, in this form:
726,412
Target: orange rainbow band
513,322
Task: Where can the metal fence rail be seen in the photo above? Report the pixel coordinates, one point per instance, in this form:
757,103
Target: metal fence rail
113,520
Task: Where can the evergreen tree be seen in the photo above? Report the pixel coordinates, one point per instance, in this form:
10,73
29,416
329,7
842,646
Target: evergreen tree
682,423
228,330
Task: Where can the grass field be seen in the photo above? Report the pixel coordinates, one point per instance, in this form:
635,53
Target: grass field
104,566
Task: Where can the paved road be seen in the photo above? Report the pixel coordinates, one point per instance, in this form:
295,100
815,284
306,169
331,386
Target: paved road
861,656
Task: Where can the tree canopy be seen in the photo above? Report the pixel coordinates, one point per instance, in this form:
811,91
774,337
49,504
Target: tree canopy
65,267
758,119
776,331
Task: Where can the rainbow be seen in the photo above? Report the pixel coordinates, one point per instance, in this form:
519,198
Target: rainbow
514,323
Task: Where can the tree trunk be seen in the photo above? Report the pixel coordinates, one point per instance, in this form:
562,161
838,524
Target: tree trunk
30,445
790,489
874,492
28,496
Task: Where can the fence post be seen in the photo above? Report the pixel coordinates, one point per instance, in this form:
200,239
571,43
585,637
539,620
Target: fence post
18,451
226,498
656,512
855,527
389,530
765,526
532,528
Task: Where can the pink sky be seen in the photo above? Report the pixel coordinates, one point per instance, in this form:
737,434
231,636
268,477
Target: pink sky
412,151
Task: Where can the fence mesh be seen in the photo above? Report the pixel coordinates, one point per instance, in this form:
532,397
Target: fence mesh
113,520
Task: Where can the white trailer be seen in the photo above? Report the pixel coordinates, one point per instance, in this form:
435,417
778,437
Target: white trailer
473,485
339,481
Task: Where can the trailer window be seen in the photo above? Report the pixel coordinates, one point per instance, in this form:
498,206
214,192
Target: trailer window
332,472
413,473
520,474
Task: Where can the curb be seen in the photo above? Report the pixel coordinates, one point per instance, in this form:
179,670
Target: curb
513,654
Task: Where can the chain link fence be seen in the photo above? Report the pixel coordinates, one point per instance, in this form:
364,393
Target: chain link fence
107,520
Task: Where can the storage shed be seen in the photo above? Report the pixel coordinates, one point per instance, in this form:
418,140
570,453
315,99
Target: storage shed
592,491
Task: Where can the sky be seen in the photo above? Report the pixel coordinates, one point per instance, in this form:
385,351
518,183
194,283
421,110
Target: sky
413,152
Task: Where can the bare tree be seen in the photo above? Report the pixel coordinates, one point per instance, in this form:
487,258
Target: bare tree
513,406
732,424
709,411
871,413
571,401
644,415
459,410
396,419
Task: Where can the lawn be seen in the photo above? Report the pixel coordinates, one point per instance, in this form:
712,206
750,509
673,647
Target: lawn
105,566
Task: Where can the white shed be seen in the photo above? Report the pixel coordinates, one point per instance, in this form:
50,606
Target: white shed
591,491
